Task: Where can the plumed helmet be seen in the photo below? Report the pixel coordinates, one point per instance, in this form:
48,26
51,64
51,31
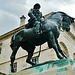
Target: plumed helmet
37,5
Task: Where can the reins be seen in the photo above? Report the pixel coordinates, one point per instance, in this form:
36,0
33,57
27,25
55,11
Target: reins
39,51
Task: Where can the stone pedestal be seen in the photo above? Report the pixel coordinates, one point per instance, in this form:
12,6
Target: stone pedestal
60,67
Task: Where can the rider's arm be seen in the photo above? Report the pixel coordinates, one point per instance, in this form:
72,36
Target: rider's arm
42,15
31,15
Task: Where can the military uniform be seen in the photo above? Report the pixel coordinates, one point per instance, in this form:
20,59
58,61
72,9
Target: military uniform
35,17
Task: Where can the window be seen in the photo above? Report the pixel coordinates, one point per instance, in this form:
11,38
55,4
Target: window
15,66
35,60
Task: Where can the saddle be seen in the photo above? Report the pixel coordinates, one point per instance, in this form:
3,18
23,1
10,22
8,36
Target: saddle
39,27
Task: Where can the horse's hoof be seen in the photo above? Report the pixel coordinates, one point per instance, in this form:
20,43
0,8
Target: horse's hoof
65,58
33,64
12,70
60,57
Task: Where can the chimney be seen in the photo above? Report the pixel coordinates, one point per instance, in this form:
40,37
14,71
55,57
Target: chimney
22,20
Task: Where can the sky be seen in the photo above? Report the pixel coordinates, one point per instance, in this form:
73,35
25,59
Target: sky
12,10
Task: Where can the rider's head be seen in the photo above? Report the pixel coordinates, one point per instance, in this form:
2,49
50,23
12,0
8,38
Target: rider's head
37,6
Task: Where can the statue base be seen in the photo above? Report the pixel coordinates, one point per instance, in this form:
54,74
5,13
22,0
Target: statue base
60,67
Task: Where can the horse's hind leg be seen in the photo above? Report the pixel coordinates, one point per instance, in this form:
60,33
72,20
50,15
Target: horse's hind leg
13,57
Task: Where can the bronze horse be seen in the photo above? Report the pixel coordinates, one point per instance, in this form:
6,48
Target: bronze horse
28,39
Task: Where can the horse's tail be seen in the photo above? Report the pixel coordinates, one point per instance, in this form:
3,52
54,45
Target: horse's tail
39,51
12,41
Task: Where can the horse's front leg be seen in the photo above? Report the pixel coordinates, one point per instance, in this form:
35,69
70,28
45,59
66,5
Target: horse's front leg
60,50
57,52
52,43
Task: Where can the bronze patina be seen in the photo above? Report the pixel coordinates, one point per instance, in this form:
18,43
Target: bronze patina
50,31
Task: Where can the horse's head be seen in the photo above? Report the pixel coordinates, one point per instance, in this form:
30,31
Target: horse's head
61,17
66,22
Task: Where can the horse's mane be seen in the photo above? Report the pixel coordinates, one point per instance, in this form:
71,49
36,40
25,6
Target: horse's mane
71,18
61,13
64,14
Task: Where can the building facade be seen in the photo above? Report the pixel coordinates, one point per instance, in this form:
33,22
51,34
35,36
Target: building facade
66,41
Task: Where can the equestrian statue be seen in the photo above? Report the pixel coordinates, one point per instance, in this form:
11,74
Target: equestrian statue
49,31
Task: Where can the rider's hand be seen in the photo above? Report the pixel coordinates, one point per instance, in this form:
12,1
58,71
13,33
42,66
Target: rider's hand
42,19
36,23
